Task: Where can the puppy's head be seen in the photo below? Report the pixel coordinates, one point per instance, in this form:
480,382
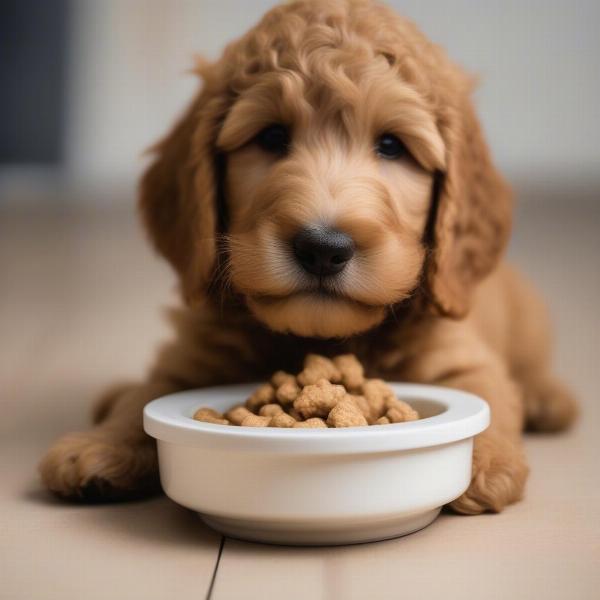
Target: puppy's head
330,168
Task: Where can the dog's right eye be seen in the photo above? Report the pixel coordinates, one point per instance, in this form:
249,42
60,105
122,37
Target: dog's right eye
274,139
390,147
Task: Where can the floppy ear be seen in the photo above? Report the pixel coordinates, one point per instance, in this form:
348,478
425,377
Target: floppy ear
473,219
177,197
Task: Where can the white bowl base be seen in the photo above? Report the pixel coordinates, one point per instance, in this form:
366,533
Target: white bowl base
307,534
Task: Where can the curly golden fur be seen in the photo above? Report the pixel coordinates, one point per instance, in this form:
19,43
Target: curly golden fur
425,296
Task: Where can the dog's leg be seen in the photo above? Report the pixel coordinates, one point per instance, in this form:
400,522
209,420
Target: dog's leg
115,459
452,354
105,403
499,469
549,404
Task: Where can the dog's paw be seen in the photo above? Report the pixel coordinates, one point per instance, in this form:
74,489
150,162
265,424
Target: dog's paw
498,476
98,466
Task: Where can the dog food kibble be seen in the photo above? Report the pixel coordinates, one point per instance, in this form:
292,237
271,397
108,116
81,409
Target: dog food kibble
282,420
237,414
318,367
256,421
364,407
208,415
265,394
313,423
318,399
294,414
398,411
279,378
353,374
377,391
326,393
270,410
287,392
346,414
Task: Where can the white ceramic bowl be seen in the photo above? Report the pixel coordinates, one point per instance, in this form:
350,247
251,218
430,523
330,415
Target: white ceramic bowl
316,486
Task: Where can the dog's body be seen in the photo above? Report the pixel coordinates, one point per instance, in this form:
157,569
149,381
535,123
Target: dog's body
329,191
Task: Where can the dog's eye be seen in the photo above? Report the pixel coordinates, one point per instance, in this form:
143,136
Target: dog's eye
274,139
390,147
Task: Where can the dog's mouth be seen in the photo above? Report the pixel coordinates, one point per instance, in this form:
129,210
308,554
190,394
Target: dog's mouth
318,294
330,289
315,312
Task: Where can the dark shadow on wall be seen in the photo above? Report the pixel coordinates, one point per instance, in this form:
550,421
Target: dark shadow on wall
33,44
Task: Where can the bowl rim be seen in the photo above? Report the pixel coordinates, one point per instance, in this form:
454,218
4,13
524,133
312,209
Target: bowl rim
168,419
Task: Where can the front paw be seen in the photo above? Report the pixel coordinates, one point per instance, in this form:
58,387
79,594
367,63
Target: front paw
498,476
98,465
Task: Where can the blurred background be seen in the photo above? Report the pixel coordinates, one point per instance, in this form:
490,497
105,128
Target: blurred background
88,85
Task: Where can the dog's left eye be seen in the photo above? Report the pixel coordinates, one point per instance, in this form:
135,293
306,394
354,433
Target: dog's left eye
390,147
274,139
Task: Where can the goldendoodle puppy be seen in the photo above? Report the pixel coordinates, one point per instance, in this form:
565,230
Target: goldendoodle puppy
329,190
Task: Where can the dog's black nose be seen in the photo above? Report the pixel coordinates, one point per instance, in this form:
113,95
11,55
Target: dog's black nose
322,251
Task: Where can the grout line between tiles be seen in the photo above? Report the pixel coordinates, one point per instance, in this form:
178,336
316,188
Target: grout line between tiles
214,575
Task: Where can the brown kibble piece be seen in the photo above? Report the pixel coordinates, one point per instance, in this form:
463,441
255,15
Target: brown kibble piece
294,414
346,414
270,410
364,406
208,415
399,411
287,392
318,399
237,414
280,377
282,420
265,394
377,392
314,423
377,387
353,374
256,421
318,367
